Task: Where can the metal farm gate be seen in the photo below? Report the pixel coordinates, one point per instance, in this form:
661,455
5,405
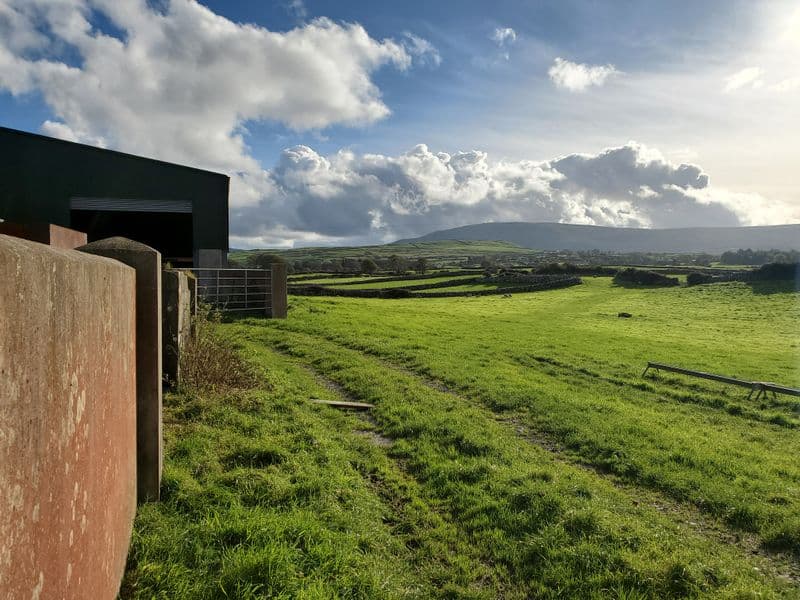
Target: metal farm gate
244,290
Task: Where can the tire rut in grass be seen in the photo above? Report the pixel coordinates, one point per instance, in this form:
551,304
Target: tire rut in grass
783,565
652,501
695,394
372,433
395,490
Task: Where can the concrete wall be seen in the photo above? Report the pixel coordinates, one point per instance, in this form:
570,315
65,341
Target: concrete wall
176,317
45,233
67,422
149,444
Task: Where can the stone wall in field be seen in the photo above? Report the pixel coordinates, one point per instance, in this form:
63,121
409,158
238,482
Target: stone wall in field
67,421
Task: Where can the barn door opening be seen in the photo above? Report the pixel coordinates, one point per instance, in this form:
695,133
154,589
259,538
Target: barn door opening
164,225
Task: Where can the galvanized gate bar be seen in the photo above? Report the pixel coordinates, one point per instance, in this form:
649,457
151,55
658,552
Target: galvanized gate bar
762,387
700,374
234,289
777,389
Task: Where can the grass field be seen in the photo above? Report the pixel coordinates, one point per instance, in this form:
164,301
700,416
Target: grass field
514,451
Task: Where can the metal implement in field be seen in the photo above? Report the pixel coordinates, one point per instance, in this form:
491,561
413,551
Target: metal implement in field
760,387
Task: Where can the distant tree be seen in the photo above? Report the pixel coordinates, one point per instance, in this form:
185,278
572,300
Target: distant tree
777,272
704,260
421,265
351,265
305,266
368,266
397,264
640,277
698,278
264,260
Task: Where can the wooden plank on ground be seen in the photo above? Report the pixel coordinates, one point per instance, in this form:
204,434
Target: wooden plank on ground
343,404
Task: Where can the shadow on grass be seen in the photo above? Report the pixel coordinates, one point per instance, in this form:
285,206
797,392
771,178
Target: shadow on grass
629,285
775,287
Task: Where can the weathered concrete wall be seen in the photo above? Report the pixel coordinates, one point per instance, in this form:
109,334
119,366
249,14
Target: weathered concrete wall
67,422
176,320
45,233
149,444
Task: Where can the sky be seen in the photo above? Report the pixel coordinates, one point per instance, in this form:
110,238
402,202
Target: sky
364,122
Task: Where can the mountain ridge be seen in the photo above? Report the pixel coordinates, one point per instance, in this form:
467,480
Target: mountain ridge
565,236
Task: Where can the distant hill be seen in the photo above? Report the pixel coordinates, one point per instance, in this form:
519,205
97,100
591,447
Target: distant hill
558,236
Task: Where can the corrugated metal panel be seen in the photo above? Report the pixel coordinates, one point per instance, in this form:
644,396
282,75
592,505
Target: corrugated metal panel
131,205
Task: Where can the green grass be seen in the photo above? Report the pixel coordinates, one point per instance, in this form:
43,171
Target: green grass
548,529
266,495
514,451
562,363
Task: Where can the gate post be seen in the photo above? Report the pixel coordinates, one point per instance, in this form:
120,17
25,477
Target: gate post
176,312
149,446
279,301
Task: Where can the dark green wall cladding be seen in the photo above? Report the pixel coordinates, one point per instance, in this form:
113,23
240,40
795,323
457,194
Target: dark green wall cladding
39,175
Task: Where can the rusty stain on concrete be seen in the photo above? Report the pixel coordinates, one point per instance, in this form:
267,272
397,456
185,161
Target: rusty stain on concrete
67,422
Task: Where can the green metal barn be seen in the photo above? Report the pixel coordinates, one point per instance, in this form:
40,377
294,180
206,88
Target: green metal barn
180,211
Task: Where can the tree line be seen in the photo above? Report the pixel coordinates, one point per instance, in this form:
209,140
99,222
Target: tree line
759,257
366,266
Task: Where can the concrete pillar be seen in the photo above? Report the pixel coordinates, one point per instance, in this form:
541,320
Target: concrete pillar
191,280
67,422
149,446
176,321
45,233
280,302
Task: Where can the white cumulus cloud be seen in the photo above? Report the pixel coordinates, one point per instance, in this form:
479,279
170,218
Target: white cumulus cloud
355,198
578,77
179,82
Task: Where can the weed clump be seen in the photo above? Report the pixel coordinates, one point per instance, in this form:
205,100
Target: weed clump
210,360
785,538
